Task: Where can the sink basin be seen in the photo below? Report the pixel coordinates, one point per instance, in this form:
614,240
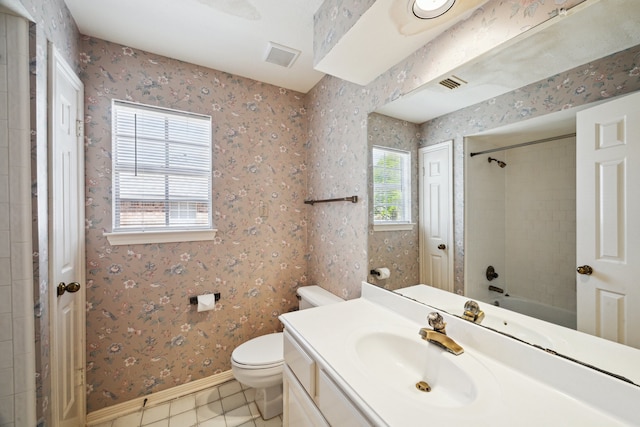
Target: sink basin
398,361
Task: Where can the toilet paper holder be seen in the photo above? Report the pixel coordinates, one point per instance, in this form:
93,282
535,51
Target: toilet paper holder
382,273
194,300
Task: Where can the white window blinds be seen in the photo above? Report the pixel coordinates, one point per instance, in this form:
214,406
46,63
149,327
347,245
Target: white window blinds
161,169
391,186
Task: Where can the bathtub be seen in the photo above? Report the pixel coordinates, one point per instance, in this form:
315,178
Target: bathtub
559,316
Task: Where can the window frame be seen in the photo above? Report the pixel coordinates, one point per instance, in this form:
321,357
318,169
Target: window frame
172,231
406,189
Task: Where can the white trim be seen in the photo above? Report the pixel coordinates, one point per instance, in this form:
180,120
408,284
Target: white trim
59,68
448,146
142,237
133,405
406,158
393,227
193,133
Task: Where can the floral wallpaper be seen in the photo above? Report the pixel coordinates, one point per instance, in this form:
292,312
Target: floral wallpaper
338,132
272,146
338,159
332,20
612,76
491,25
143,336
396,250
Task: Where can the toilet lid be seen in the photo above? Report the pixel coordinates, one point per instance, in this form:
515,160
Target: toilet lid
260,351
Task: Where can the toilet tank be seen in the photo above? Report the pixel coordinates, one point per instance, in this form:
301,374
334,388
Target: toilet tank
314,296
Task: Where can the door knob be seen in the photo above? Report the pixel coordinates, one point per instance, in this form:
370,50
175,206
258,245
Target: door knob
584,269
442,246
71,287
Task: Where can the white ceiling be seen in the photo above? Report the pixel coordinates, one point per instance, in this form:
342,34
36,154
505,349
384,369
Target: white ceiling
226,35
233,36
592,30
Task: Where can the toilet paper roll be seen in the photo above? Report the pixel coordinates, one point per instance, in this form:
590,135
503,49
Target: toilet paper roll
206,302
383,273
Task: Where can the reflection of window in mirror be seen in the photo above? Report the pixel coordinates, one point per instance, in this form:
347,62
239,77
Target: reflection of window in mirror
391,186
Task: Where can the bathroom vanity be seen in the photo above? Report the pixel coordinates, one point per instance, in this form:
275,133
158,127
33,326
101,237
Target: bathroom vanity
363,362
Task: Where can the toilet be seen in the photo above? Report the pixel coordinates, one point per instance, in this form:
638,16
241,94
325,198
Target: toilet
258,363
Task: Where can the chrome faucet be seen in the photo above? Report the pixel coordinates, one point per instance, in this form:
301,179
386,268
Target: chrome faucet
472,312
438,335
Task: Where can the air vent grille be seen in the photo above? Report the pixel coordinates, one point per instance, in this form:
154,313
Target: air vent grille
452,82
281,55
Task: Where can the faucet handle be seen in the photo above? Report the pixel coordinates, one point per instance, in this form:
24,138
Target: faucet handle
472,312
436,322
472,306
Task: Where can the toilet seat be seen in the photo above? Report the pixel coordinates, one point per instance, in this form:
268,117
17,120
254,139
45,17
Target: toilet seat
262,352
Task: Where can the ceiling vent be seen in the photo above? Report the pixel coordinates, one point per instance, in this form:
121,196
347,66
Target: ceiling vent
281,55
452,82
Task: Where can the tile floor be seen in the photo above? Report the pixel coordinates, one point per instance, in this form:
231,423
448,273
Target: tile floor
227,405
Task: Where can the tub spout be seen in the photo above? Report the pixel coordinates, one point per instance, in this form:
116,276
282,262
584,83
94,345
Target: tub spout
496,289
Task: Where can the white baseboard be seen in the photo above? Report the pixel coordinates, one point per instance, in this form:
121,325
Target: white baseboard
115,411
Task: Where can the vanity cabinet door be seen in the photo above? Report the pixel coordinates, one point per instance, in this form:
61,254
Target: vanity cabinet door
299,409
301,364
335,406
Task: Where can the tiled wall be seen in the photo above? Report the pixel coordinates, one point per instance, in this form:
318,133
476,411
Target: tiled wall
540,224
485,202
17,351
523,227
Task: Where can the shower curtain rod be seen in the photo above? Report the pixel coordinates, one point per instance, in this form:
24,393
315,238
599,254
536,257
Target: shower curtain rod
537,141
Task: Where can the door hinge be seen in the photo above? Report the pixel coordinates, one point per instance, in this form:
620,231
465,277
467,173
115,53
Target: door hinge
80,377
79,128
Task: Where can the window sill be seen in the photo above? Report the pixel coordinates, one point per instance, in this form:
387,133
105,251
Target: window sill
393,227
144,237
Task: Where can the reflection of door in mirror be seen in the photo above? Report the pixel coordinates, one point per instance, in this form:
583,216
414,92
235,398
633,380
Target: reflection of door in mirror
608,202
436,215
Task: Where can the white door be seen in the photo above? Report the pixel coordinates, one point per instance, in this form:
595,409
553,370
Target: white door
608,220
436,215
66,245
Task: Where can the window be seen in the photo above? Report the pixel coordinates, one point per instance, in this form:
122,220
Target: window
161,173
391,186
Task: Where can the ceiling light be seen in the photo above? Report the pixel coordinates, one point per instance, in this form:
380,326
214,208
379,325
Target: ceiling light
429,9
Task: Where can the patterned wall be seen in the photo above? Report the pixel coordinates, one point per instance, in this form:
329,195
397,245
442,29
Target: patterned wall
396,250
142,335
338,133
612,76
332,20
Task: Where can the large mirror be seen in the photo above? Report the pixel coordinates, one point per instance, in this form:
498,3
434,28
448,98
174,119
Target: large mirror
499,208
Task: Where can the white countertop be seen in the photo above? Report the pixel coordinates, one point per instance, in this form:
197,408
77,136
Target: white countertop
608,355
516,397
